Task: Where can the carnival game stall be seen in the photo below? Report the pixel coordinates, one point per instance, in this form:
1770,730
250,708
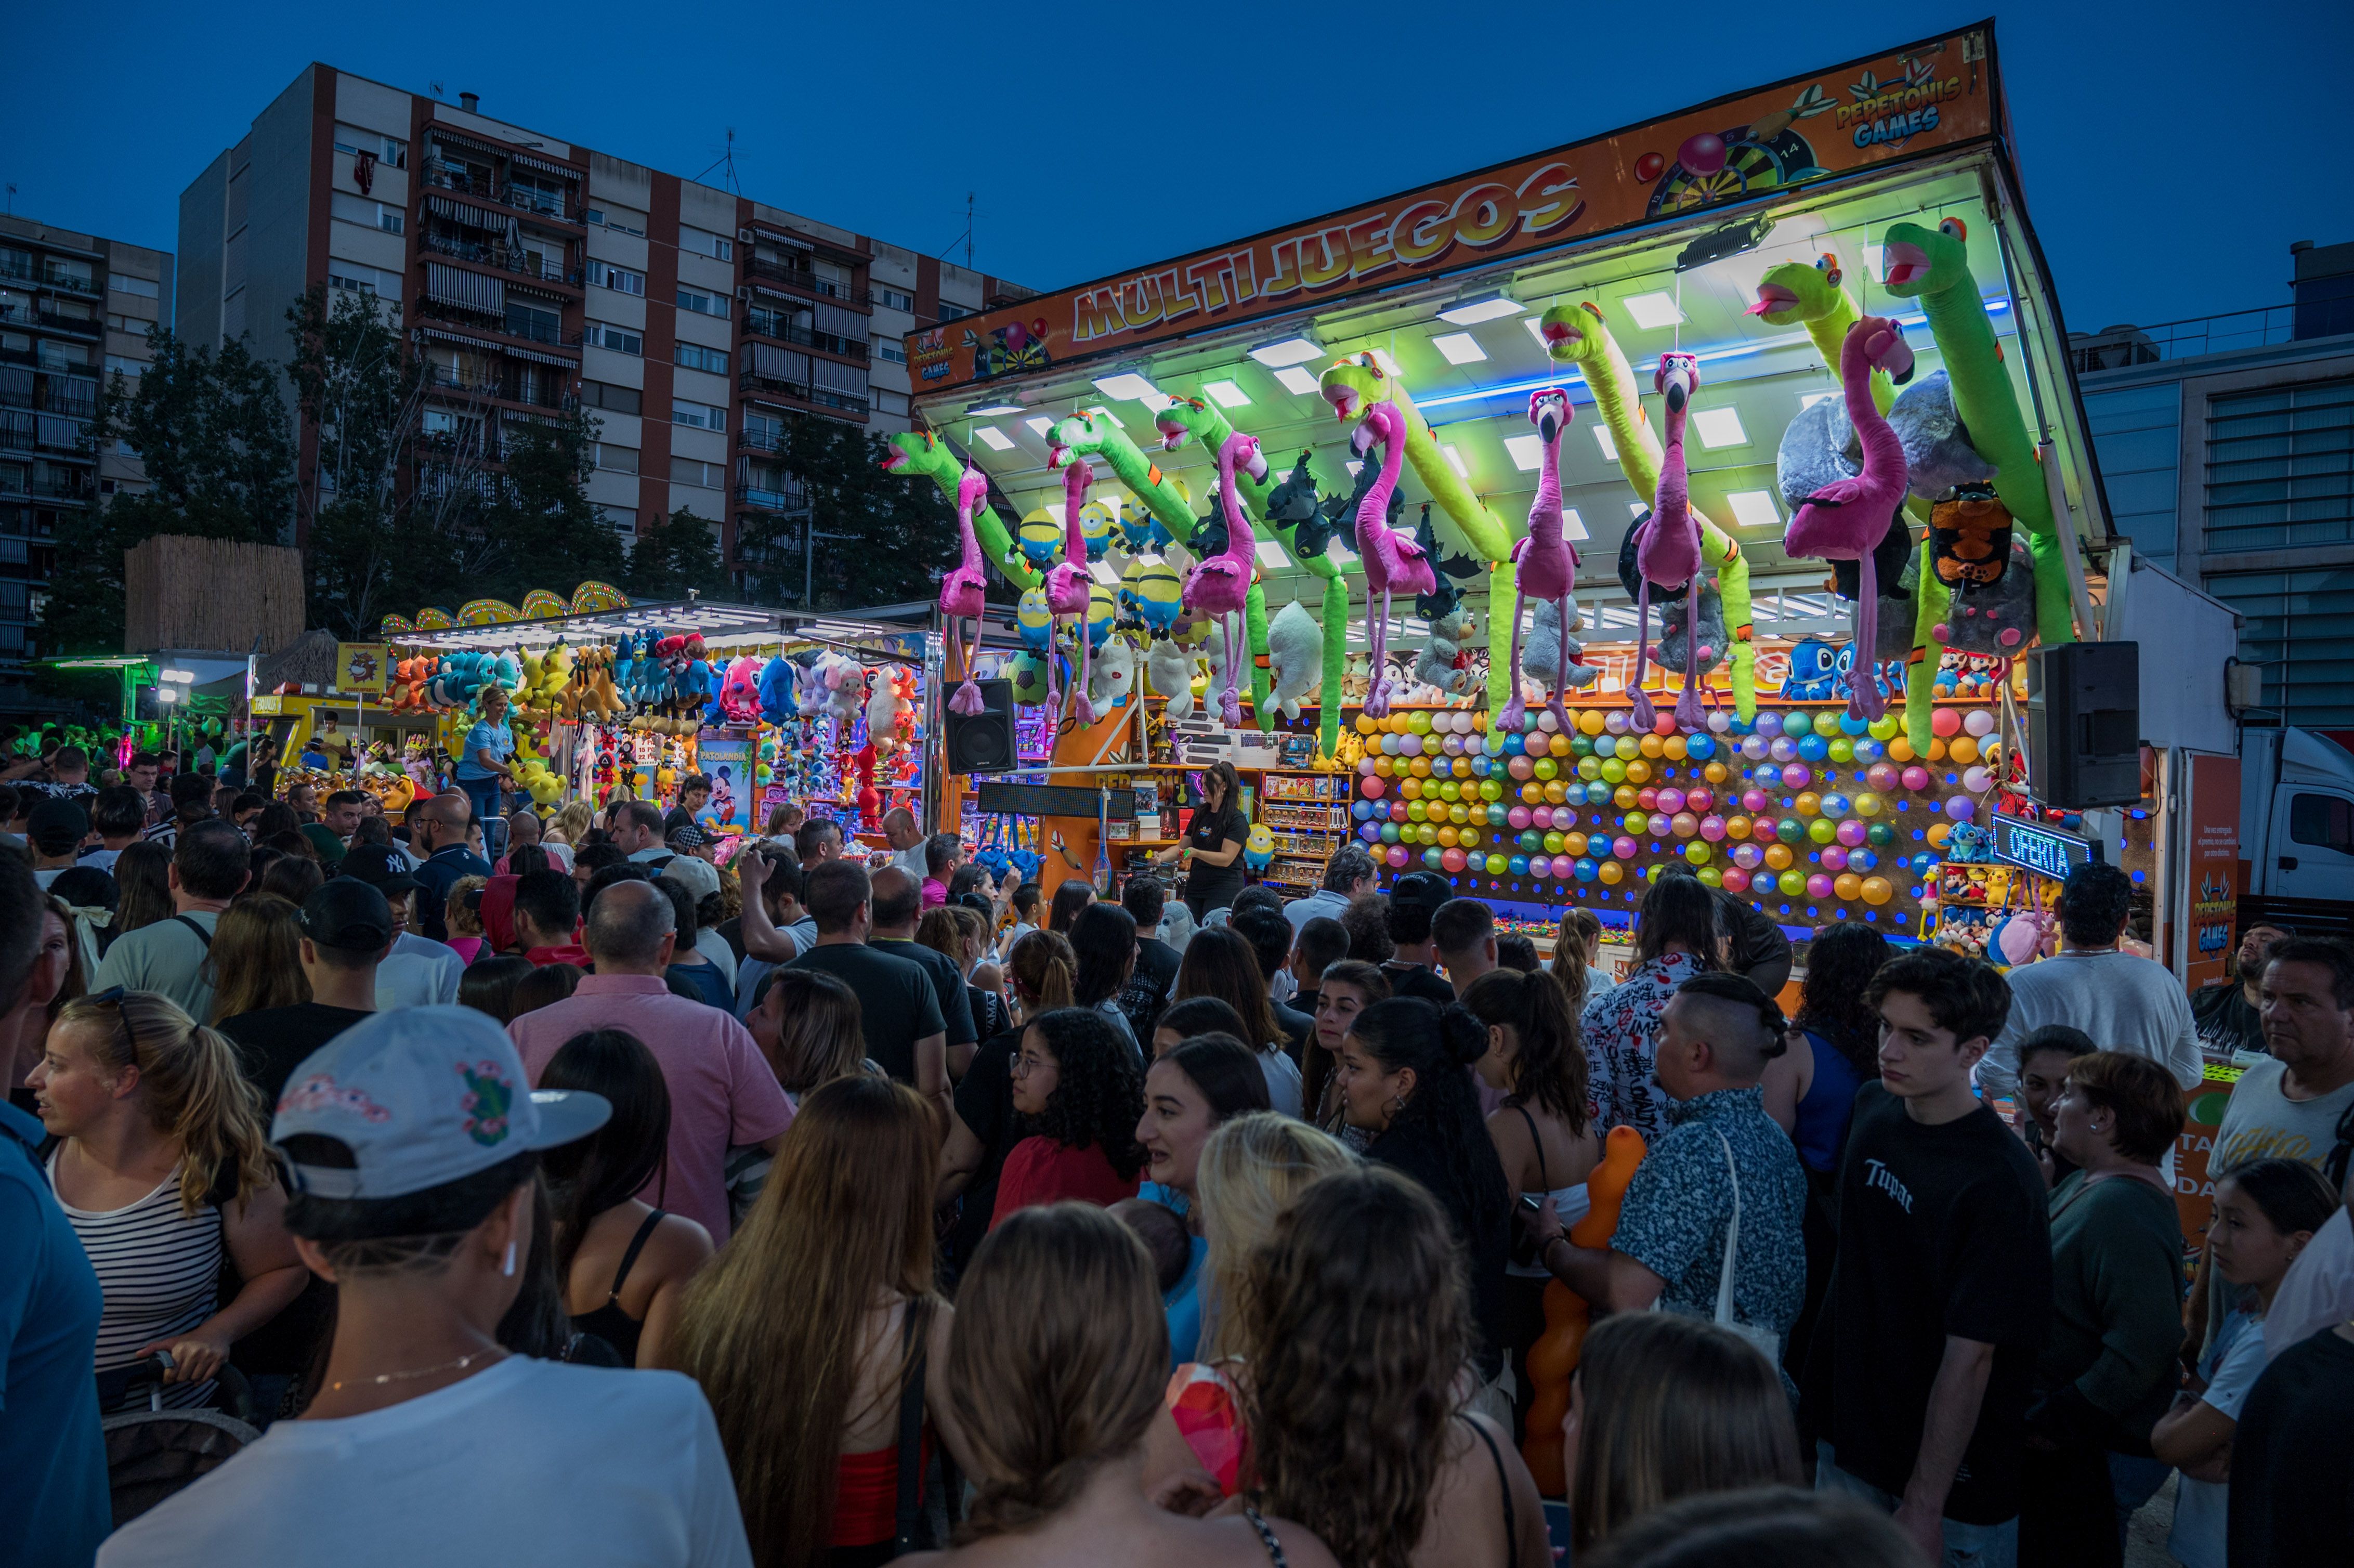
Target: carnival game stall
1697,493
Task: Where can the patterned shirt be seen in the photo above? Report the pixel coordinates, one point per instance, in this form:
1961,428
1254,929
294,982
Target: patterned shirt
1622,1042
1681,1202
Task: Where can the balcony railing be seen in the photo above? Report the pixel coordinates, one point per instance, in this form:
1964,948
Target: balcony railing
759,441
15,431
792,498
540,392
524,263
828,397
753,382
2121,346
72,488
70,283
440,177
803,278
57,321
565,208
765,324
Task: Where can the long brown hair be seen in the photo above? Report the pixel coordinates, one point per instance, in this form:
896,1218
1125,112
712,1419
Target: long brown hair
821,1029
1360,1317
1219,962
774,1329
1056,1362
142,873
1549,1066
1672,1406
1572,951
255,958
190,1086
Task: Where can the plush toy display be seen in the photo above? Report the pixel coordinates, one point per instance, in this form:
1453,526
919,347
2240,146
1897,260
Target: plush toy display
1151,594
1937,451
1111,679
1548,639
964,592
919,453
1813,296
1170,672
1295,659
1393,562
1443,664
1668,543
1848,519
1221,584
776,691
1546,563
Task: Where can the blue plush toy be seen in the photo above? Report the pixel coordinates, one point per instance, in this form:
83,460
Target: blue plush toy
1818,671
776,691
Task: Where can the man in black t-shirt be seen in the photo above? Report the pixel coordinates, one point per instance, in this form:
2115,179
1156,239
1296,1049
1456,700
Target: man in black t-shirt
1415,898
2292,1502
899,1013
2226,1016
346,932
897,905
1942,1288
1147,991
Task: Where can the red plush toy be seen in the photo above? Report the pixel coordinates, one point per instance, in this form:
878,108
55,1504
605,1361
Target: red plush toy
870,800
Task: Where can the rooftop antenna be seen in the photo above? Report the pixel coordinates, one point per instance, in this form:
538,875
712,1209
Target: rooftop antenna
967,236
437,89
12,201
727,161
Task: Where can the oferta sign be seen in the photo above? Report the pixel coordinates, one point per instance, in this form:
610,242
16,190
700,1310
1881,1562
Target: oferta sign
1926,97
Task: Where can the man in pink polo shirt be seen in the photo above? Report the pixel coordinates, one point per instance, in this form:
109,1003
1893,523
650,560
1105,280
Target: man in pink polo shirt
723,1093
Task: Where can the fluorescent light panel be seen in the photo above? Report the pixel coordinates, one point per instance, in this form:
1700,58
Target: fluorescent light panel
1809,399
991,410
1459,347
1636,508
1651,311
1296,381
1101,571
1573,526
1528,451
1602,438
993,438
1129,387
1455,462
1226,394
1389,366
1719,427
1042,427
1271,554
1754,509
1471,313
1286,351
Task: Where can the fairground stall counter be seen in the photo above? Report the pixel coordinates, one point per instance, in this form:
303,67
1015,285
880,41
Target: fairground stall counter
834,713
1526,526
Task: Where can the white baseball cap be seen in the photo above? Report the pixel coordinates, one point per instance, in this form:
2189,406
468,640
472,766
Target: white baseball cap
422,1096
699,877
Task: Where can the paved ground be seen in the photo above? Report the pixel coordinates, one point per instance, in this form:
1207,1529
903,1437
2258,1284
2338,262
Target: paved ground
2146,1537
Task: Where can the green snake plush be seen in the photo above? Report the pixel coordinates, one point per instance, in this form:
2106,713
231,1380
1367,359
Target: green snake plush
922,452
1933,266
1811,295
1097,435
1198,419
1578,334
1354,385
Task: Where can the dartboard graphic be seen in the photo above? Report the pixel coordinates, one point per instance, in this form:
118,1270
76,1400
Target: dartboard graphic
1750,167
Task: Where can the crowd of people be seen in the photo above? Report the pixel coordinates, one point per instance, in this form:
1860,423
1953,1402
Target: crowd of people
543,1188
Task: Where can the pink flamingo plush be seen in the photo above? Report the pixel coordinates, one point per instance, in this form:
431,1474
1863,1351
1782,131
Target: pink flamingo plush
1067,584
964,592
1667,549
1546,565
1847,519
1394,563
1221,585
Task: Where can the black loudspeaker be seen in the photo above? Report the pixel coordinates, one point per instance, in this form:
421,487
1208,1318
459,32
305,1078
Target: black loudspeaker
984,742
2084,733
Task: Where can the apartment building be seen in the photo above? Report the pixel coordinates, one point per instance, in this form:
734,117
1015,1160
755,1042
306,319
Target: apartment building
73,307
534,272
2226,446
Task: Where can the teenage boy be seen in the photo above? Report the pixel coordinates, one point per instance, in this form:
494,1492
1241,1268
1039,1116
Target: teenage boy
1942,1286
1147,991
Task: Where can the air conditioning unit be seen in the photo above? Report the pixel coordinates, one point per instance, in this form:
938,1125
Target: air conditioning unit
745,235
744,294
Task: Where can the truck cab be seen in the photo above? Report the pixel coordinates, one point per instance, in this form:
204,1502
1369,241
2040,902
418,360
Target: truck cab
2297,815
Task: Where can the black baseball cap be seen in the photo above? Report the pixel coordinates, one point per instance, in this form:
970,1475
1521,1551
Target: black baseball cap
380,867
1426,888
57,825
348,914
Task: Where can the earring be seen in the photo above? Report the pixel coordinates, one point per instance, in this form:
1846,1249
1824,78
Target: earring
507,1267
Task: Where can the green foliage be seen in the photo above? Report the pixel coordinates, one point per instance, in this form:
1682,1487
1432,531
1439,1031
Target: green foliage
881,540
674,557
211,431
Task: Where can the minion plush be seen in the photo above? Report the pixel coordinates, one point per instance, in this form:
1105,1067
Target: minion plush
1258,848
1031,619
1040,538
1151,592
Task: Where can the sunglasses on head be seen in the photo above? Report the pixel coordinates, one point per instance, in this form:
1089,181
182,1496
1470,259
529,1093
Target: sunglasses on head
112,997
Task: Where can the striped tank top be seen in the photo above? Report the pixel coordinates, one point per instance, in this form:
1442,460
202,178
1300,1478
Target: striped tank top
159,1270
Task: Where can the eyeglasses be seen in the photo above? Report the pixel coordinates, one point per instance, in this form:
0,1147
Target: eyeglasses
1022,1067
112,997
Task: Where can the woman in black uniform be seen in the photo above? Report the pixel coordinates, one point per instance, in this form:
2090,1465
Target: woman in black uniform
1212,854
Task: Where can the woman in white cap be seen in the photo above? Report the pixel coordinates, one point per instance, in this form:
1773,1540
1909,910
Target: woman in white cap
411,1144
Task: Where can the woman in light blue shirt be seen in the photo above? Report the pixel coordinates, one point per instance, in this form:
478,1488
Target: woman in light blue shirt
487,767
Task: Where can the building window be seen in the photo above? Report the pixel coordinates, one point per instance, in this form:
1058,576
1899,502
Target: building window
619,519
2293,624
897,300
605,395
124,283
694,357
438,422
528,321
702,416
617,460
619,339
606,275
889,402
703,242
366,213
702,475
620,221
891,349
701,303
351,279
2138,432
949,313
2276,465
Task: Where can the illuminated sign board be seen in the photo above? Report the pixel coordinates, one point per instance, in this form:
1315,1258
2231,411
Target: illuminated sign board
2047,852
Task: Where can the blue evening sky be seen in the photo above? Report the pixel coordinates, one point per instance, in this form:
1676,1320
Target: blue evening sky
2170,151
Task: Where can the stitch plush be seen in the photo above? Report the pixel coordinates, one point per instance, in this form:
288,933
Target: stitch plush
776,690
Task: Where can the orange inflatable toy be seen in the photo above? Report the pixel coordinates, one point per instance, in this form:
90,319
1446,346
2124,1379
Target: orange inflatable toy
1554,1355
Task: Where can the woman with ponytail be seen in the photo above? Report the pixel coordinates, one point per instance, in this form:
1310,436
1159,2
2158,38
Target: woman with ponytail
1044,972
1055,1367
162,1164
1544,1131
1402,1078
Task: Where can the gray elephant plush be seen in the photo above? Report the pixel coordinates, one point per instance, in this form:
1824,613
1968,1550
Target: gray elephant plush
1541,650
1997,618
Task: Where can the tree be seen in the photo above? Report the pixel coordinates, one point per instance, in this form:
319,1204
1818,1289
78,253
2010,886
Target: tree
542,528
881,540
210,429
674,557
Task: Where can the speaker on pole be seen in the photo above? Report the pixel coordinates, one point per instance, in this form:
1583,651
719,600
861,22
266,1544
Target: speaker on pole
983,742
2083,731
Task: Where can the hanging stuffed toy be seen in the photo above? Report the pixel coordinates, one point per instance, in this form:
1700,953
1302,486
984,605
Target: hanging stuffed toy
964,592
1392,562
1440,601
1970,538
1295,655
776,690
1668,544
1151,594
1545,563
1548,642
1443,665
1294,504
1220,586
1171,672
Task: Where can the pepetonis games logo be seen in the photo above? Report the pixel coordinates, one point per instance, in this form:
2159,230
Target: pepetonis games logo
929,354
1899,109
